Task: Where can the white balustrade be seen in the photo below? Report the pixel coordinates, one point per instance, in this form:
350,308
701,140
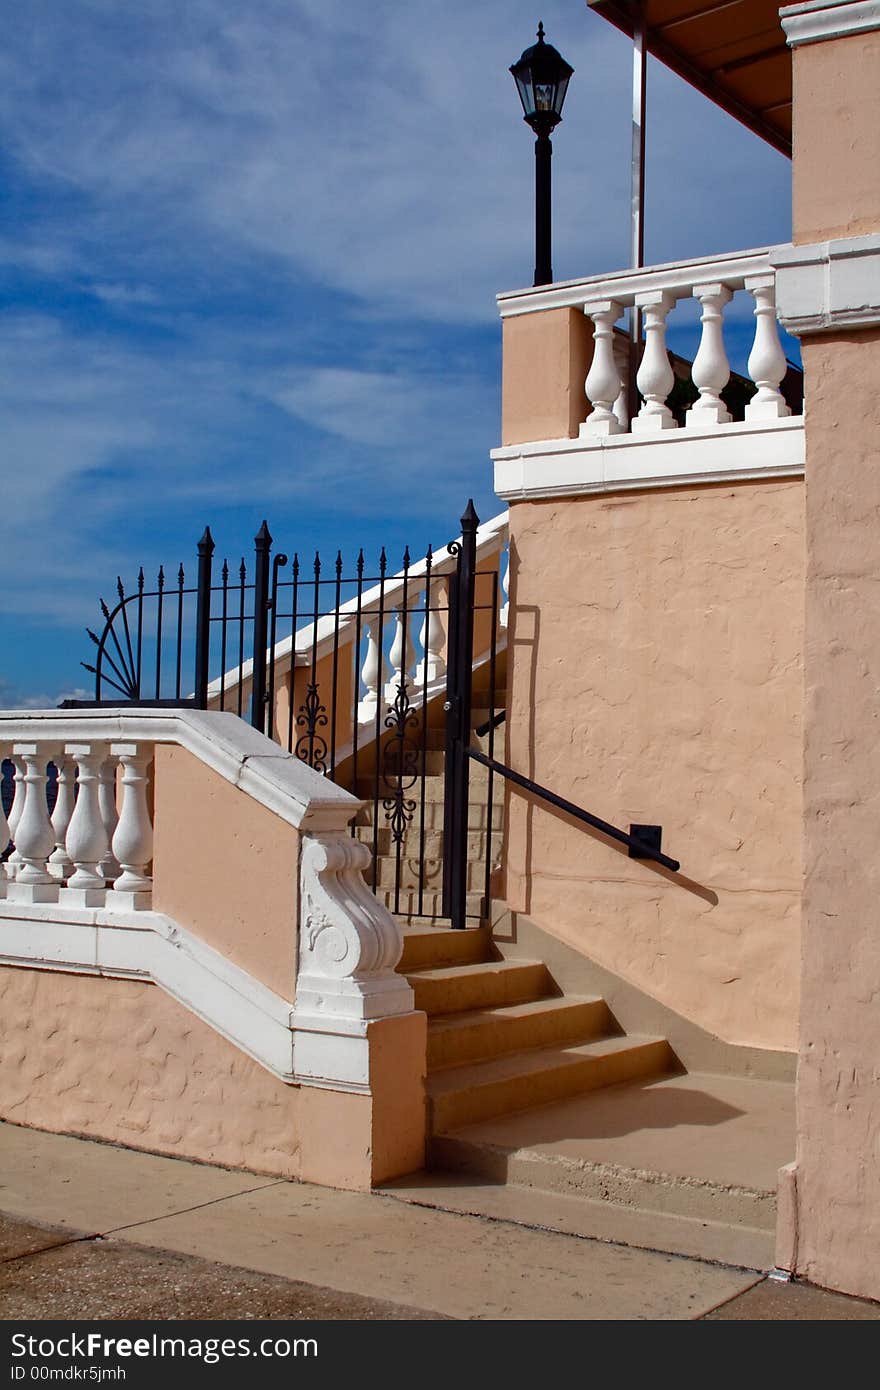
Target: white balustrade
14,861
60,865
710,371
603,385
65,859
402,655
372,671
767,365
655,290
34,836
110,868
655,377
432,634
86,835
133,837
5,837
505,590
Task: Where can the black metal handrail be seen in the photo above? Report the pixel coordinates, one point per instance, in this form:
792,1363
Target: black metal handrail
639,848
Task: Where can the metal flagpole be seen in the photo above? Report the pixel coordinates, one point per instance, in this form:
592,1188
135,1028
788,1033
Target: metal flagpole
637,196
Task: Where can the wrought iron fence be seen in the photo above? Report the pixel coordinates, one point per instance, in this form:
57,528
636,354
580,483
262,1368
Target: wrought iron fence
348,668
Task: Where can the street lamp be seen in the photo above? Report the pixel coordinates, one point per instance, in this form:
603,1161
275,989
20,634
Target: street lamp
542,77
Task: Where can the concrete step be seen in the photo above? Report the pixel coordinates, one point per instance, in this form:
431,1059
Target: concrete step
482,985
463,1095
479,1034
686,1163
430,947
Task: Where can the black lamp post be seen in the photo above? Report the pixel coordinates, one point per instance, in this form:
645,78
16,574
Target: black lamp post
541,77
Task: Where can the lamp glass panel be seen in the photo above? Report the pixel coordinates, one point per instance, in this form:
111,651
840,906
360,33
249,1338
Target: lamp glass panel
524,87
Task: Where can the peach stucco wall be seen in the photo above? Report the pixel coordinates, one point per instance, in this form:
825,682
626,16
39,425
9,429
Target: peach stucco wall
120,1060
838,1175
546,357
226,868
656,677
836,171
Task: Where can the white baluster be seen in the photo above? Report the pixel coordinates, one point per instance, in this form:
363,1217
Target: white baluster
621,358
372,671
602,385
432,635
655,378
5,836
505,590
86,836
133,838
34,836
711,370
766,365
60,865
402,654
13,863
110,867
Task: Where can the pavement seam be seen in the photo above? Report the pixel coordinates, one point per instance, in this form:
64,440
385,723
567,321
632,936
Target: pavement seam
199,1206
574,1235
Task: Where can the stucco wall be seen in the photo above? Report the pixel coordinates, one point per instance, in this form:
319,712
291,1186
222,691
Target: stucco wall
836,171
839,1068
120,1060
226,867
656,677
546,358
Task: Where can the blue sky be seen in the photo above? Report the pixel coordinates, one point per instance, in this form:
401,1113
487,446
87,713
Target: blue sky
248,261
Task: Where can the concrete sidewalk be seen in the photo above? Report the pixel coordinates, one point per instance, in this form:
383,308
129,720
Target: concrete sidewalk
97,1231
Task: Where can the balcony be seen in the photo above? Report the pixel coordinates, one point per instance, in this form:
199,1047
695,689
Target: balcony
696,421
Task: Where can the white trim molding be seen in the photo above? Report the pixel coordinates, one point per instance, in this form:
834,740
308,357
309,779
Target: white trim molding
240,754
829,285
621,286
817,20
157,950
737,452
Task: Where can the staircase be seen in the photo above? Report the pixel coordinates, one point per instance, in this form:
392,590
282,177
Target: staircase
541,1109
502,1038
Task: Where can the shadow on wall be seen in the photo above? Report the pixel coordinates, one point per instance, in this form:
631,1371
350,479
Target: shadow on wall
524,660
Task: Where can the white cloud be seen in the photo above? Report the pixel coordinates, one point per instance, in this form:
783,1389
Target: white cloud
376,149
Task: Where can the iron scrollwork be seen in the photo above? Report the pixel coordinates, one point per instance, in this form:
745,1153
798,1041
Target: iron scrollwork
311,746
400,762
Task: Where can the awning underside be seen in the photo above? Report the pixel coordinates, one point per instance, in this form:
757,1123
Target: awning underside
734,52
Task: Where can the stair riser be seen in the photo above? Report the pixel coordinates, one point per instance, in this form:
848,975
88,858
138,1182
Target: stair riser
481,991
457,1108
656,1192
487,1038
437,948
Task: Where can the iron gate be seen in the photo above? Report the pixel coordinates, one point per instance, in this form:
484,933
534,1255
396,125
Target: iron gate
304,649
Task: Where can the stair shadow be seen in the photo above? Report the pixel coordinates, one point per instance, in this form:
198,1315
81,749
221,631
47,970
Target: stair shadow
611,1113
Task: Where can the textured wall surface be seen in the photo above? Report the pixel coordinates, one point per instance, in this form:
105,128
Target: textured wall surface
120,1060
657,677
545,362
839,1067
836,171
226,868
